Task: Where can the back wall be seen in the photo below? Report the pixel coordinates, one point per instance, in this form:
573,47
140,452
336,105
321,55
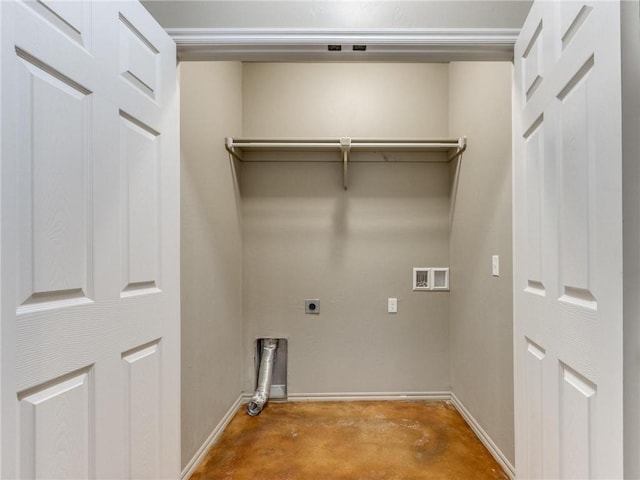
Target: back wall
304,236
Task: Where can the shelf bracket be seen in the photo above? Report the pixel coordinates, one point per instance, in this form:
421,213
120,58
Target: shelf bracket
462,146
228,145
345,148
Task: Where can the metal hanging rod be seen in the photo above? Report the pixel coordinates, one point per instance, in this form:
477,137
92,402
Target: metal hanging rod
346,145
338,143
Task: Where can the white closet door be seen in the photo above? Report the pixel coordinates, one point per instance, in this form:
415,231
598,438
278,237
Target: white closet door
89,242
568,242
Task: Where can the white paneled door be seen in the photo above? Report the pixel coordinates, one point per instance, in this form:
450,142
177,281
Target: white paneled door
89,242
568,242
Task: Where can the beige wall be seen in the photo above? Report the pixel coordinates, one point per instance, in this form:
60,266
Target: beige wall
481,305
345,99
305,237
631,221
211,270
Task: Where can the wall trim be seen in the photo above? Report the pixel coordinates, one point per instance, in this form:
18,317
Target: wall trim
356,396
484,437
211,439
351,396
300,44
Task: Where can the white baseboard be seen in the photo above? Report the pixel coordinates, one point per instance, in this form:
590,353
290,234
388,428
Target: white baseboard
484,438
211,439
350,396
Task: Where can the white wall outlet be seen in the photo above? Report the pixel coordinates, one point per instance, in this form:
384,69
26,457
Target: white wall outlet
495,265
392,305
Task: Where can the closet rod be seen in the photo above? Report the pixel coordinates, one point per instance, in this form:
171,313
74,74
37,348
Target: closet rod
329,144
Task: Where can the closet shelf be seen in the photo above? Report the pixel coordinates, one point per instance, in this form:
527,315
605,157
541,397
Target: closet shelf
346,145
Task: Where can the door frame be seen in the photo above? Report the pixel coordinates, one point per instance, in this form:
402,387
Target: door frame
305,44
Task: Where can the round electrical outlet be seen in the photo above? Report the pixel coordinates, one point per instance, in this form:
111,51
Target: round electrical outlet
312,306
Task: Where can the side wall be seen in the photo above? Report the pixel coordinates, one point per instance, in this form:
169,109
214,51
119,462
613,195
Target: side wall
631,232
306,237
211,271
481,304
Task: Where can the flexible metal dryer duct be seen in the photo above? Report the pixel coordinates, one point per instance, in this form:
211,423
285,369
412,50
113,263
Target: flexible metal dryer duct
260,397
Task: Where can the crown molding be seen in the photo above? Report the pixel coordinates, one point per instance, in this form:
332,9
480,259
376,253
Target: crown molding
293,44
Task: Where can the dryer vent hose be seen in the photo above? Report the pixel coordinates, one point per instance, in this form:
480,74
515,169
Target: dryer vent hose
260,397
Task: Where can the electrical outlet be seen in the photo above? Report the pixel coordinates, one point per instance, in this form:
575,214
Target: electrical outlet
392,305
312,306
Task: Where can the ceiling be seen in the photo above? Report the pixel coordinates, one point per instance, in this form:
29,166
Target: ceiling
315,14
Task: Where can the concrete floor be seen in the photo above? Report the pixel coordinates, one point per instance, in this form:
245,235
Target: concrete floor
349,441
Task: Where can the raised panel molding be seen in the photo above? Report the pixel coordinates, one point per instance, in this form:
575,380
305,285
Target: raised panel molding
71,18
533,64
577,399
56,428
576,137
534,172
139,59
140,165
572,16
261,44
54,191
142,411
535,356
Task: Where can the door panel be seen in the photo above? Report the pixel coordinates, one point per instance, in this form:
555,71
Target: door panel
568,242
71,18
534,154
53,188
56,428
533,450
139,59
142,408
577,402
90,298
140,163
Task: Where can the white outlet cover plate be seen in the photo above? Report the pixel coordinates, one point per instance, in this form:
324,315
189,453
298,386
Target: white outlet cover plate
392,305
495,265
